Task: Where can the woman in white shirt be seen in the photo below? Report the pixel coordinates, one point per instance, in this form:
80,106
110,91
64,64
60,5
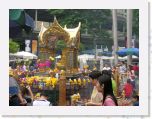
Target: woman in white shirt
96,97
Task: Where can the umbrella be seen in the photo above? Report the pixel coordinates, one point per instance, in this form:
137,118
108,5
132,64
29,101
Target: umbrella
18,20
21,18
128,51
25,55
14,29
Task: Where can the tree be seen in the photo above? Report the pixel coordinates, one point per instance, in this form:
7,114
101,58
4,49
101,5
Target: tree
90,18
99,19
13,46
81,47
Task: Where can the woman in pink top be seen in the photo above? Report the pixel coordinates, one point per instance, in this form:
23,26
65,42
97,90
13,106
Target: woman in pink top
104,85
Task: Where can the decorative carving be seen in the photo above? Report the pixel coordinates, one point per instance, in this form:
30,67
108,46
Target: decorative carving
48,38
68,62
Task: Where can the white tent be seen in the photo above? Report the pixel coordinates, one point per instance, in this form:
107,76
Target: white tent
85,57
25,55
112,57
82,57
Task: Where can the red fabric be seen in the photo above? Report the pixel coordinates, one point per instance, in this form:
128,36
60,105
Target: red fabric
128,89
41,65
135,68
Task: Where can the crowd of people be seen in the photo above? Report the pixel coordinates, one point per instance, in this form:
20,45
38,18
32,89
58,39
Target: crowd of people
105,87
104,84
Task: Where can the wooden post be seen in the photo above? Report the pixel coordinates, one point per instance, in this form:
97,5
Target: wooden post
62,90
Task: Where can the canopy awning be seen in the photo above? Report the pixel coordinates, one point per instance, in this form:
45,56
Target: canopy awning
25,55
18,20
128,51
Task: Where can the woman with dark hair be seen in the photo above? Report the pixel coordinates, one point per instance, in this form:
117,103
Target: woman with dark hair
104,85
96,97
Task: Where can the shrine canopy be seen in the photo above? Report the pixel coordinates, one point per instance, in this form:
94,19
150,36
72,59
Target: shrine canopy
74,35
57,32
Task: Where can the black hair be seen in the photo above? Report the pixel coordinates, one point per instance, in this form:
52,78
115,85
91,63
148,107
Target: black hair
105,79
24,91
136,97
128,81
95,74
43,93
123,62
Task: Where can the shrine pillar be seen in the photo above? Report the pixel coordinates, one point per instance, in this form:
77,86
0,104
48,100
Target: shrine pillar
62,89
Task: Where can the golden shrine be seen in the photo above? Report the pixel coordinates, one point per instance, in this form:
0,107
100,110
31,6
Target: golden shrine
47,45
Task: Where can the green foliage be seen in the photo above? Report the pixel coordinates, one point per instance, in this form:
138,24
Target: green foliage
90,18
13,46
81,47
60,45
97,21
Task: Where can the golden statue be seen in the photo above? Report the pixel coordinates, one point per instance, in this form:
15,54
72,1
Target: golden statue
47,45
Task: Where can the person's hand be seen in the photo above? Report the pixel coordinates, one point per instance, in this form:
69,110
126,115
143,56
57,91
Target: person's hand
88,104
28,87
24,102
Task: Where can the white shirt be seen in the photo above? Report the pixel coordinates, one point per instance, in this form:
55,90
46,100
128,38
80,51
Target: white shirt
96,96
41,103
57,75
122,69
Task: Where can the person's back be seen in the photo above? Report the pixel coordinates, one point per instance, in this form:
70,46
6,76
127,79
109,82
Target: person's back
13,92
15,97
13,86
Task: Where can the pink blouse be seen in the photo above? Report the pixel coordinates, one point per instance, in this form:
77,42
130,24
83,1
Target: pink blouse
109,102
